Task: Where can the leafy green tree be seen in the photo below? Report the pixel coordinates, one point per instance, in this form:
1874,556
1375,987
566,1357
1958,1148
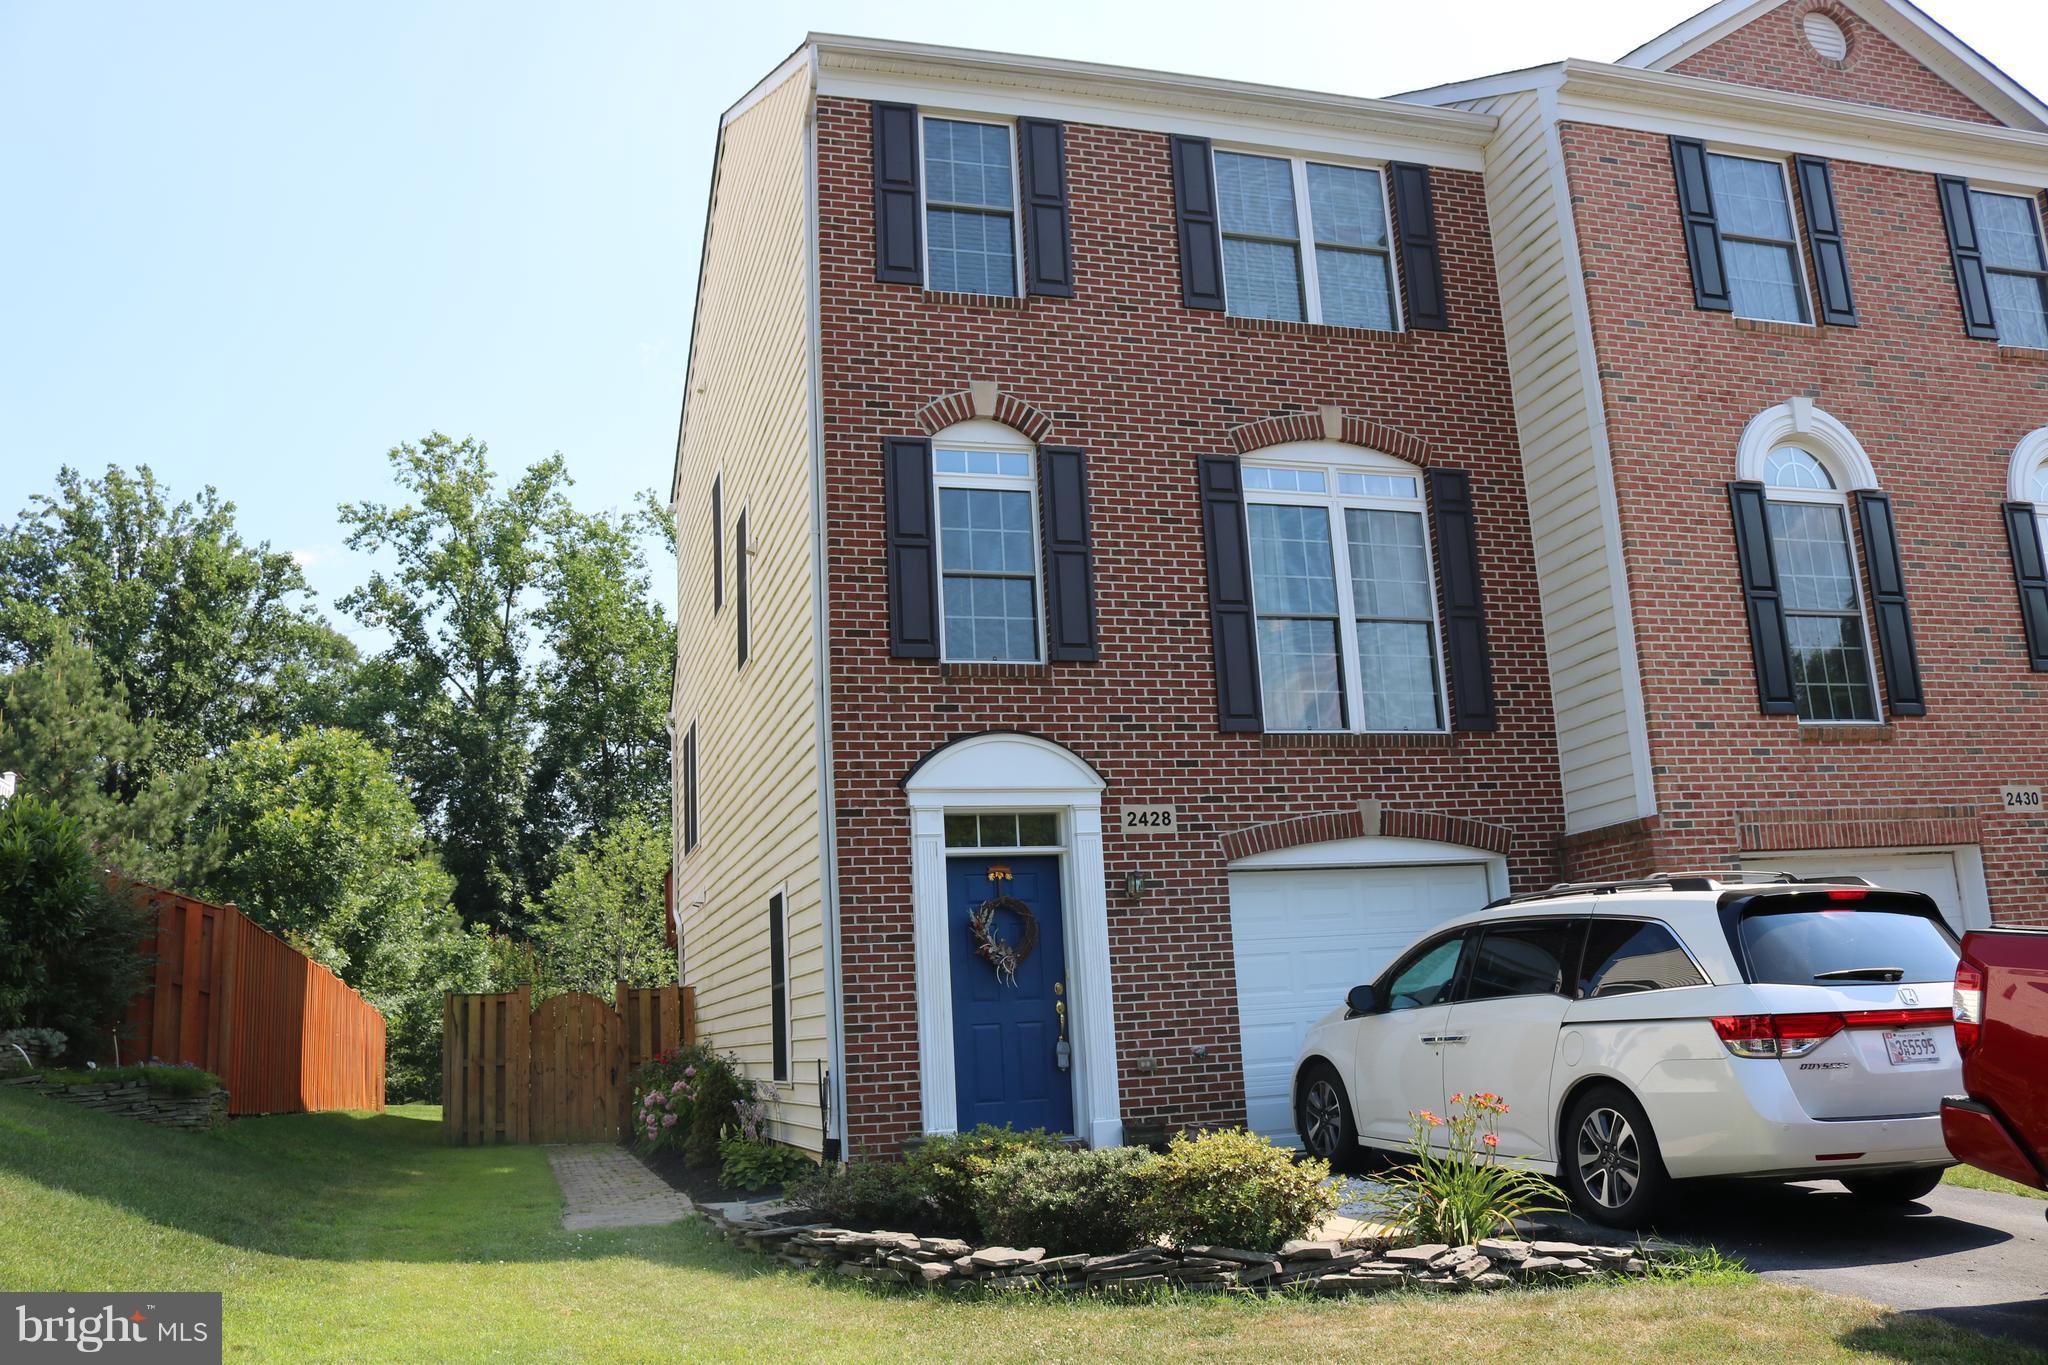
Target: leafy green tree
603,686
68,737
315,839
600,920
201,633
73,957
455,689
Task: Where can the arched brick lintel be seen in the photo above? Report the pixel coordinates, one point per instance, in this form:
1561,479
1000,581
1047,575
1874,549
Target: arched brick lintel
1363,821
1330,424
982,399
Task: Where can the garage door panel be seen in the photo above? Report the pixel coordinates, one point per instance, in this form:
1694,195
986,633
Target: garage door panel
1934,874
1305,937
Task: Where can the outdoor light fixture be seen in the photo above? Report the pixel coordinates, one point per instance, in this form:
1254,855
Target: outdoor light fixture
1134,885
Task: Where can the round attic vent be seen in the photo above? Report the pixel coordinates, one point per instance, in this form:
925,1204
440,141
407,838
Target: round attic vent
1825,36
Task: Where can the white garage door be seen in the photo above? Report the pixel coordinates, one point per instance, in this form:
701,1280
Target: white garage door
1305,937
1932,873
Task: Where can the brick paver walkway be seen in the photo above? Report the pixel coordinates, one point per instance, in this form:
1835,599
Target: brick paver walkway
604,1187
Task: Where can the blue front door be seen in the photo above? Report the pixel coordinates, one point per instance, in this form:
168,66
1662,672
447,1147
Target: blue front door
1006,1035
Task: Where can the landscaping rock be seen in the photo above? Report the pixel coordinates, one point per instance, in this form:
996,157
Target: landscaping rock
1421,1255
1310,1251
1504,1249
1003,1258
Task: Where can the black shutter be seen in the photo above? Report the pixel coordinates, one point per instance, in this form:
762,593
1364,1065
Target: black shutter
1069,555
2030,575
690,788
778,990
1971,286
1233,625
1194,209
1702,233
1422,272
1042,171
1824,237
1468,660
717,543
1762,601
1903,693
899,236
913,547
740,584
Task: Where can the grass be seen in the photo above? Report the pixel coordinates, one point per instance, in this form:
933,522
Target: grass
363,1237
178,1080
1970,1178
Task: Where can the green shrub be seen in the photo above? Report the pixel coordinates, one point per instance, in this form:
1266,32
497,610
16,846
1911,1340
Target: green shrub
877,1192
757,1163
1233,1188
176,1080
683,1092
74,957
718,1094
944,1167
1064,1200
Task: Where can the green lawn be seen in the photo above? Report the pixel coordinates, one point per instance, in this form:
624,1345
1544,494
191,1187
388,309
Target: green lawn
362,1237
1970,1178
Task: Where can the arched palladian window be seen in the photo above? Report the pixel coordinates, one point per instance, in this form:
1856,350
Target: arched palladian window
1344,589
2026,526
1820,587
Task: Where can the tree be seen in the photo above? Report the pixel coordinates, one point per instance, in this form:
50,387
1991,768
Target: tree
69,736
600,920
315,839
603,687
199,632
74,948
454,691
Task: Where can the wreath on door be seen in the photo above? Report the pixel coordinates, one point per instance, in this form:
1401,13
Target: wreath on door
989,944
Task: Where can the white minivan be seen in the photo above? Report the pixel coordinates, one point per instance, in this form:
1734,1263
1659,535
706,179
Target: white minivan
1667,1029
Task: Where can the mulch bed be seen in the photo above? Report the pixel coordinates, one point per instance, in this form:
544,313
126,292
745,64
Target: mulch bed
700,1183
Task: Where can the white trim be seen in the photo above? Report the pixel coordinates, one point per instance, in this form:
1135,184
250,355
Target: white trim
1015,772
1794,243
1798,422
1012,86
1335,459
986,435
1016,214
1378,851
1308,271
2027,457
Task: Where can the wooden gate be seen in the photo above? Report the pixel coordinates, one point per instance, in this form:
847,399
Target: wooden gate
559,1073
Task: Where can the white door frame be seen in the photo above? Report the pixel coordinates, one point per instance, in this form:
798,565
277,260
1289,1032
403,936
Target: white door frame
1015,772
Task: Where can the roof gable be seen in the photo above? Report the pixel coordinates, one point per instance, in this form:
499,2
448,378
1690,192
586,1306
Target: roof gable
1898,58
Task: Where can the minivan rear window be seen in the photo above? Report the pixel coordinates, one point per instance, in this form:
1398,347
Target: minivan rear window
1811,946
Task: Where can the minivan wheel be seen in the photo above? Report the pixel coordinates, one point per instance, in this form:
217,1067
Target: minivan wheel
1896,1187
1609,1163
1322,1116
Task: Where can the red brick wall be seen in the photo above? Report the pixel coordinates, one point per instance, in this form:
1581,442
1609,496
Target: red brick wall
1145,385
1939,416
1771,51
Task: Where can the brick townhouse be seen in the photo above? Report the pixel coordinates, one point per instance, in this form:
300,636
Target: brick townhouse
1142,561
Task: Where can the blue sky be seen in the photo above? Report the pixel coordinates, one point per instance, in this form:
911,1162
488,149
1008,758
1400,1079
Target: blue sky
257,245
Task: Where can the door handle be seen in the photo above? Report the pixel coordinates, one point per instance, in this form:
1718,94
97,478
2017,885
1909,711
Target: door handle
1452,1038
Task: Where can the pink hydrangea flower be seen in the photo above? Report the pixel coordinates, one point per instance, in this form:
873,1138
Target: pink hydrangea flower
654,1097
690,1073
668,1120
676,1089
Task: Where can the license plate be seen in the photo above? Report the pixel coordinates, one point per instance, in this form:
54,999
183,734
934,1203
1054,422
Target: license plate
1911,1047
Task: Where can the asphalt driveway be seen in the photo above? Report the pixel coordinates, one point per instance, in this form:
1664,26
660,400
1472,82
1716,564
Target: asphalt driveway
1970,1257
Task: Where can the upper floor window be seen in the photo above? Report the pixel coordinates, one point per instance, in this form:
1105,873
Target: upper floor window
1822,592
1344,592
2015,270
1753,215
970,196
1269,206
988,550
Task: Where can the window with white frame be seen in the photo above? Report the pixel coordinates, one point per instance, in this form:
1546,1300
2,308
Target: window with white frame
1268,206
1820,589
970,216
1002,829
988,550
1759,244
1344,592
2009,235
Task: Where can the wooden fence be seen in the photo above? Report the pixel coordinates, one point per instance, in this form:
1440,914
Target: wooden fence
283,1032
559,1073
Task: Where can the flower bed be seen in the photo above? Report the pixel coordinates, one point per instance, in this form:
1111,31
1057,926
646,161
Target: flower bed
1354,1266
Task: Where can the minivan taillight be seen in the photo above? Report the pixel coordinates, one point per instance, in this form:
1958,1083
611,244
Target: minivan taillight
1795,1035
1969,1004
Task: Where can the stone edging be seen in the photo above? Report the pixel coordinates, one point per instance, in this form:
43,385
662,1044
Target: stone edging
1357,1265
137,1100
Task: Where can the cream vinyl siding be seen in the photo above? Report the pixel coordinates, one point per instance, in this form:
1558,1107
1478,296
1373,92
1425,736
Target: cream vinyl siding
1602,746
746,419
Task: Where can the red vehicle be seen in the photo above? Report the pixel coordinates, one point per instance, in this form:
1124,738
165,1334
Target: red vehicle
2001,1009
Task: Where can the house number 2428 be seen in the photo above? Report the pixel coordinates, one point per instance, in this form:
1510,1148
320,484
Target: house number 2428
1150,820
